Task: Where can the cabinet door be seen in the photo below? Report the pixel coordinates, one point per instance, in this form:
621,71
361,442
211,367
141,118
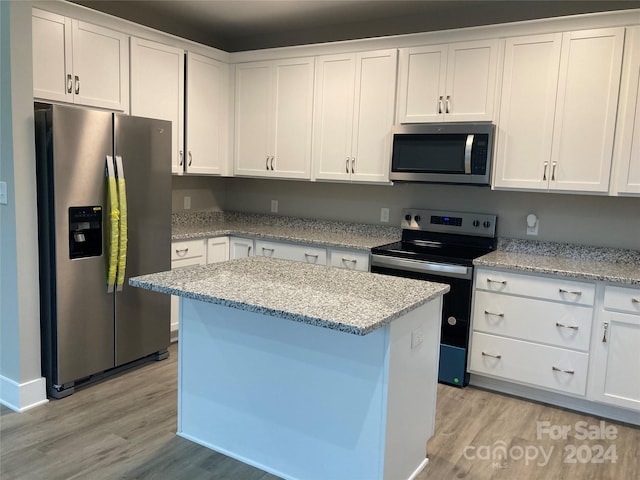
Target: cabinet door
253,119
589,81
292,118
240,247
421,78
374,109
333,116
52,68
471,81
527,108
100,66
206,115
217,249
616,360
627,142
157,89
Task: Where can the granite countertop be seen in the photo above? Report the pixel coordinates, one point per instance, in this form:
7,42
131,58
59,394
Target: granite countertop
326,233
346,300
575,261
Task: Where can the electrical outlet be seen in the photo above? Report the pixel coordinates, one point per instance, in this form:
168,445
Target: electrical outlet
187,202
274,206
384,214
417,337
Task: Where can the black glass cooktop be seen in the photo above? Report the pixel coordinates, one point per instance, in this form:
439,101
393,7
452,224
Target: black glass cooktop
454,249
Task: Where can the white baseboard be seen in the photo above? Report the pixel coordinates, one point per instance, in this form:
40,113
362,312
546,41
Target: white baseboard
20,397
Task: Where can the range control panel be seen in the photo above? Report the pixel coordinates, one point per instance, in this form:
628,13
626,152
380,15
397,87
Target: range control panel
463,223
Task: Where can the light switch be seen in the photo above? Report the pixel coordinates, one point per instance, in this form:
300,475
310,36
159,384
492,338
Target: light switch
3,193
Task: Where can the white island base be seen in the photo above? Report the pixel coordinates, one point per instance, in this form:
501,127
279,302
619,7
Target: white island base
309,403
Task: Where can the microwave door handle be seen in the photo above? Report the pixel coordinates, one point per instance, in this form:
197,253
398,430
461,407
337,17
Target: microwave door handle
467,154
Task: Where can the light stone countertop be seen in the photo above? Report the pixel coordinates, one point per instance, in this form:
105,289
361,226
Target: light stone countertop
567,260
345,300
325,233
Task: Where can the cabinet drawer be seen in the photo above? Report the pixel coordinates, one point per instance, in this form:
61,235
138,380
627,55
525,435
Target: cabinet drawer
623,299
297,253
548,288
349,259
560,324
529,363
187,249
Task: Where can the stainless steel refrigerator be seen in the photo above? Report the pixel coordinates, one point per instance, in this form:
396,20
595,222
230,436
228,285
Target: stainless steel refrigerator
104,214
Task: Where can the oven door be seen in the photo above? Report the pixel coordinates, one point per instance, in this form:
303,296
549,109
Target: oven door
456,309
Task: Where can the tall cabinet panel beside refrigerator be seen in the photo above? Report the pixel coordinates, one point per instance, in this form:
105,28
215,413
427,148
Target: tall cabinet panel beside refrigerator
104,214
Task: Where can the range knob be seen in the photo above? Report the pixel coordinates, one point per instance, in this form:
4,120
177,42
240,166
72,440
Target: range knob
407,217
476,223
417,218
486,224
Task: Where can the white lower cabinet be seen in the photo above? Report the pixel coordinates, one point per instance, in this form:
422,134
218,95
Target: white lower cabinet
349,259
530,363
240,247
287,251
532,330
184,254
217,249
615,363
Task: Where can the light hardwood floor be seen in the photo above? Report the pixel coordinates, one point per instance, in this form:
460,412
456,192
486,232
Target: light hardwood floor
124,428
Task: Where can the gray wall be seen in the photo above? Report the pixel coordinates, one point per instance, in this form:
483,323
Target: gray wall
581,219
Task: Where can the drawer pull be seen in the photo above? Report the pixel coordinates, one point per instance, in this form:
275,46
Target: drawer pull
265,249
486,312
352,260
485,354
635,300
572,292
572,327
606,327
181,252
556,369
503,282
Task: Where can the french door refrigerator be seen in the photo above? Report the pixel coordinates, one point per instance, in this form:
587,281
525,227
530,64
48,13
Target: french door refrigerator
104,214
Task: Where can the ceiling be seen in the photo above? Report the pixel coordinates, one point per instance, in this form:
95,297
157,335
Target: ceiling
238,25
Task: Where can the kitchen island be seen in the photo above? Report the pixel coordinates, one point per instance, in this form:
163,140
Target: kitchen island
306,371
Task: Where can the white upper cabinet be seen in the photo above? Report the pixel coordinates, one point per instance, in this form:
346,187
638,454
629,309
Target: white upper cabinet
527,109
207,116
447,83
353,116
157,89
558,110
273,118
78,62
589,82
627,143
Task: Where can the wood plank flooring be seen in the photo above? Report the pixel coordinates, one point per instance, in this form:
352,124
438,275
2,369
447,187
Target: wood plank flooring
124,428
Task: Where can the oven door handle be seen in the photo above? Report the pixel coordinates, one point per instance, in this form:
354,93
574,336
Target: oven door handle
445,270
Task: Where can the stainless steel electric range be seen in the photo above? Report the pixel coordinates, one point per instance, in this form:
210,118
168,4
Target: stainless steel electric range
440,246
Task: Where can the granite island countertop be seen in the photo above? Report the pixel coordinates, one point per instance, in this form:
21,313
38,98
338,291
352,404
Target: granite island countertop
326,233
345,300
575,261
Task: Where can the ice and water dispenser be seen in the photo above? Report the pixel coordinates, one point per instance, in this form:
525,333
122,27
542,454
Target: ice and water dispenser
85,232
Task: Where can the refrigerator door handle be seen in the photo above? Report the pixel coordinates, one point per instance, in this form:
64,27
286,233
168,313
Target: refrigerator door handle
114,220
122,246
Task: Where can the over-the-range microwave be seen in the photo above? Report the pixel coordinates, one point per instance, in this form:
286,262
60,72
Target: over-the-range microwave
442,153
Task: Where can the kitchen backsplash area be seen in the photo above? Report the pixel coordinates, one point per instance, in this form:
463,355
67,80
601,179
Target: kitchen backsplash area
578,219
